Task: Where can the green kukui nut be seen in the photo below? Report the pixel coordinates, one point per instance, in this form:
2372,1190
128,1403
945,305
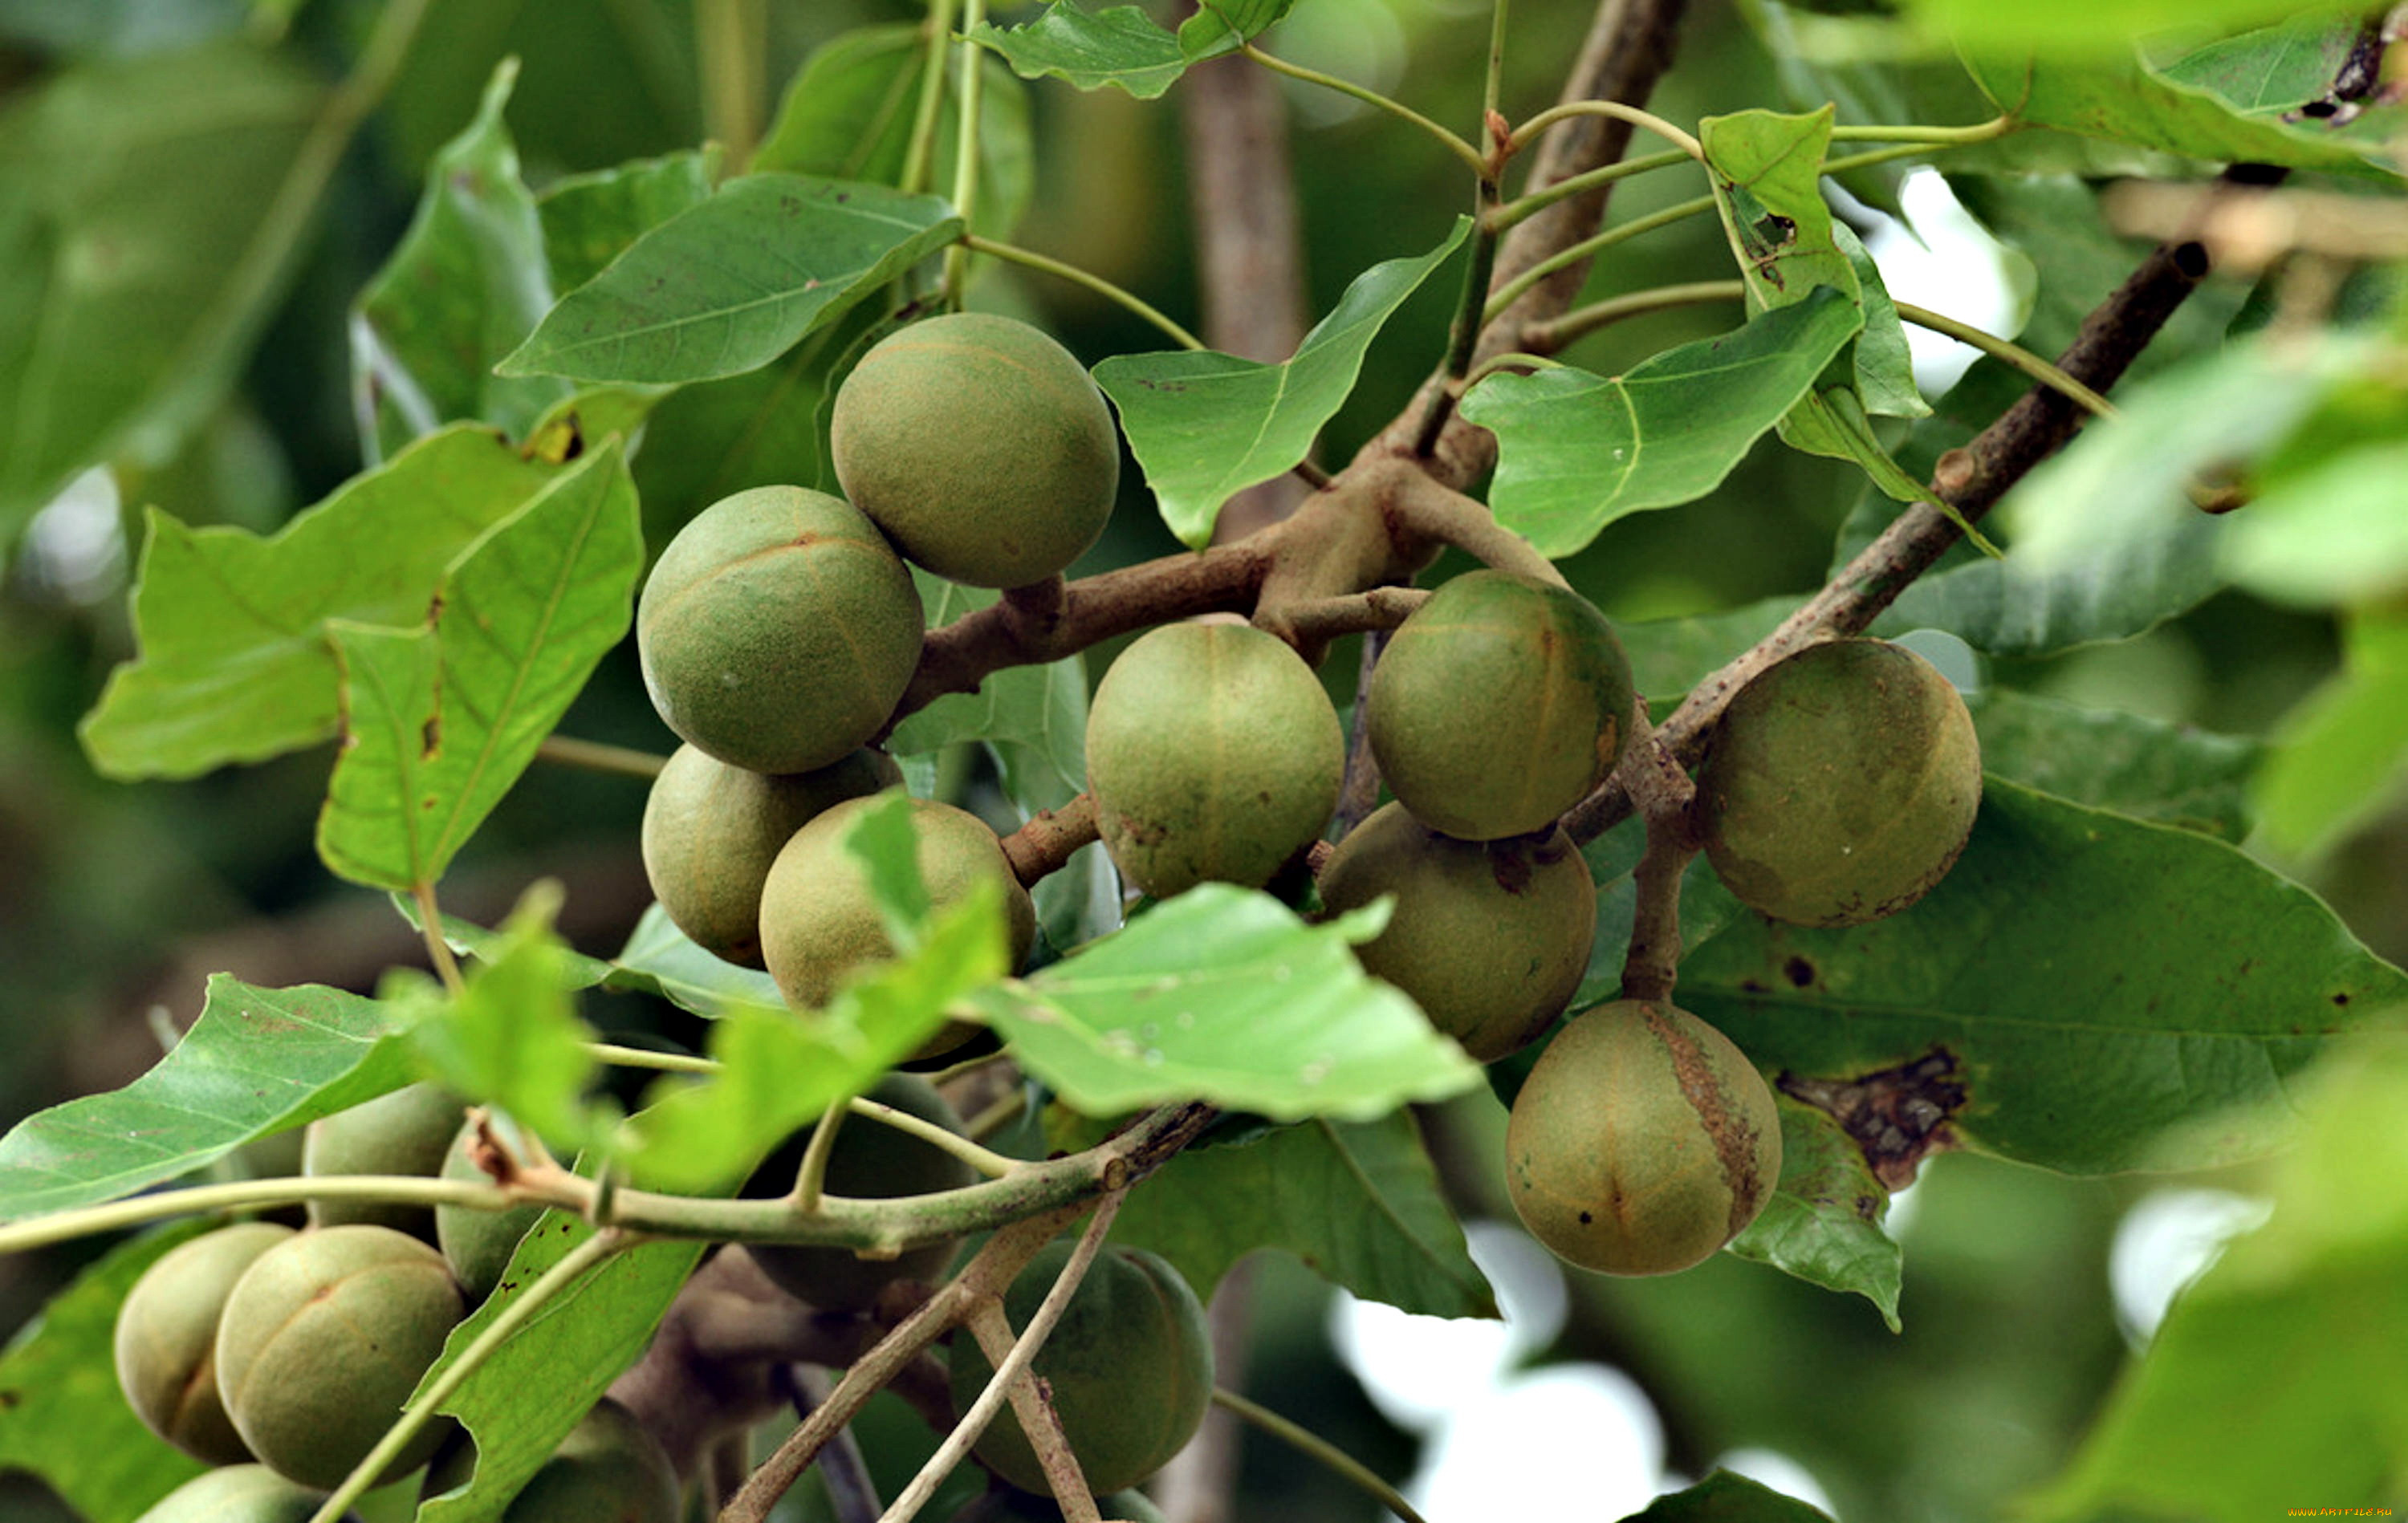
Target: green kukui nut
404,1132
871,1160
711,831
1129,1366
1489,937
1642,1142
777,630
323,1339
1010,1504
167,1334
1214,755
478,1244
1840,785
979,446
238,1494
1497,705
610,1469
819,922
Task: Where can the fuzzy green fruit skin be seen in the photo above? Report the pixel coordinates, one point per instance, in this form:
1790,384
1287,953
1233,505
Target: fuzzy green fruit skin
167,1333
819,923
711,831
777,630
478,1244
1841,785
1490,938
404,1132
1214,755
1642,1142
1497,705
979,446
323,1339
238,1493
610,1469
1129,1365
871,1160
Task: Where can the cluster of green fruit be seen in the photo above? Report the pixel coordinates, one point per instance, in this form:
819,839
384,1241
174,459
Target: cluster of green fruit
282,1357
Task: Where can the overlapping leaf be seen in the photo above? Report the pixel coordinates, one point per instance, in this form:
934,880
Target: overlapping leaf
2147,769
1824,1222
1222,994
1122,45
2343,755
727,286
589,220
1206,426
441,719
666,961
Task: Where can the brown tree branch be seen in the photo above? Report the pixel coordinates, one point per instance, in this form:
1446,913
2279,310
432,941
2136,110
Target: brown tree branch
1045,843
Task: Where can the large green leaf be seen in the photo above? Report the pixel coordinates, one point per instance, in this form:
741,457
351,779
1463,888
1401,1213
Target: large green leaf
589,220
2089,26
727,286
234,664
1359,1203
2272,69
2109,994
1123,46
1723,1497
259,1061
138,260
2343,755
544,1379
2173,775
1222,994
2311,1305
1824,1222
682,973
467,285
2331,533
441,719
848,115
1577,452
62,1415
1206,426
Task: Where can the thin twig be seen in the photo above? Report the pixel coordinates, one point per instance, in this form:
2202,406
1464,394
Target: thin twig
1452,143
993,1166
1327,1455
594,756
1029,258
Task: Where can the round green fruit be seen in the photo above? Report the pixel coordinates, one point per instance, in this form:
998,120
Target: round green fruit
1129,1366
404,1132
777,630
167,1333
819,922
711,831
323,1339
610,1469
1214,755
979,446
869,1160
1490,938
238,1494
478,1244
1497,705
1642,1142
1840,785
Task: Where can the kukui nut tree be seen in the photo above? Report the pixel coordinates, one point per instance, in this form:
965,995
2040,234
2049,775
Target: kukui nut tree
1036,809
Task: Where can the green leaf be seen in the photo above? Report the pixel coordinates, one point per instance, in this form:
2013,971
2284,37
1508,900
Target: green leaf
887,845
2272,69
1222,994
138,260
1359,1203
2172,774
2146,1009
1723,1497
441,720
2089,26
780,1070
64,1417
1824,1222
2312,1301
848,115
662,959
234,664
2119,97
1767,178
258,1062
1885,366
544,1379
1035,717
1579,451
1205,426
2342,756
467,285
1123,46
727,286
589,220
2328,533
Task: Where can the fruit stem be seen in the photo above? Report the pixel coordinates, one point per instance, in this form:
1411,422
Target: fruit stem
993,1166
1452,143
1666,797
1441,513
1008,1369
1013,254
1313,1447
1038,1421
1319,620
1045,843
420,1411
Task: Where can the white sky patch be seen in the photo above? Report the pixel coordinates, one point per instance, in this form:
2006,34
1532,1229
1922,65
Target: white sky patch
2166,1241
74,550
1770,1467
1417,1368
1956,269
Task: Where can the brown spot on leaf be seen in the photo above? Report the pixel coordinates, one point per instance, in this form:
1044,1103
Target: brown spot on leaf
1799,972
430,738
1895,1116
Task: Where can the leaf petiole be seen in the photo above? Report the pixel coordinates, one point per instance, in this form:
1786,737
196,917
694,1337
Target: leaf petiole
1013,254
